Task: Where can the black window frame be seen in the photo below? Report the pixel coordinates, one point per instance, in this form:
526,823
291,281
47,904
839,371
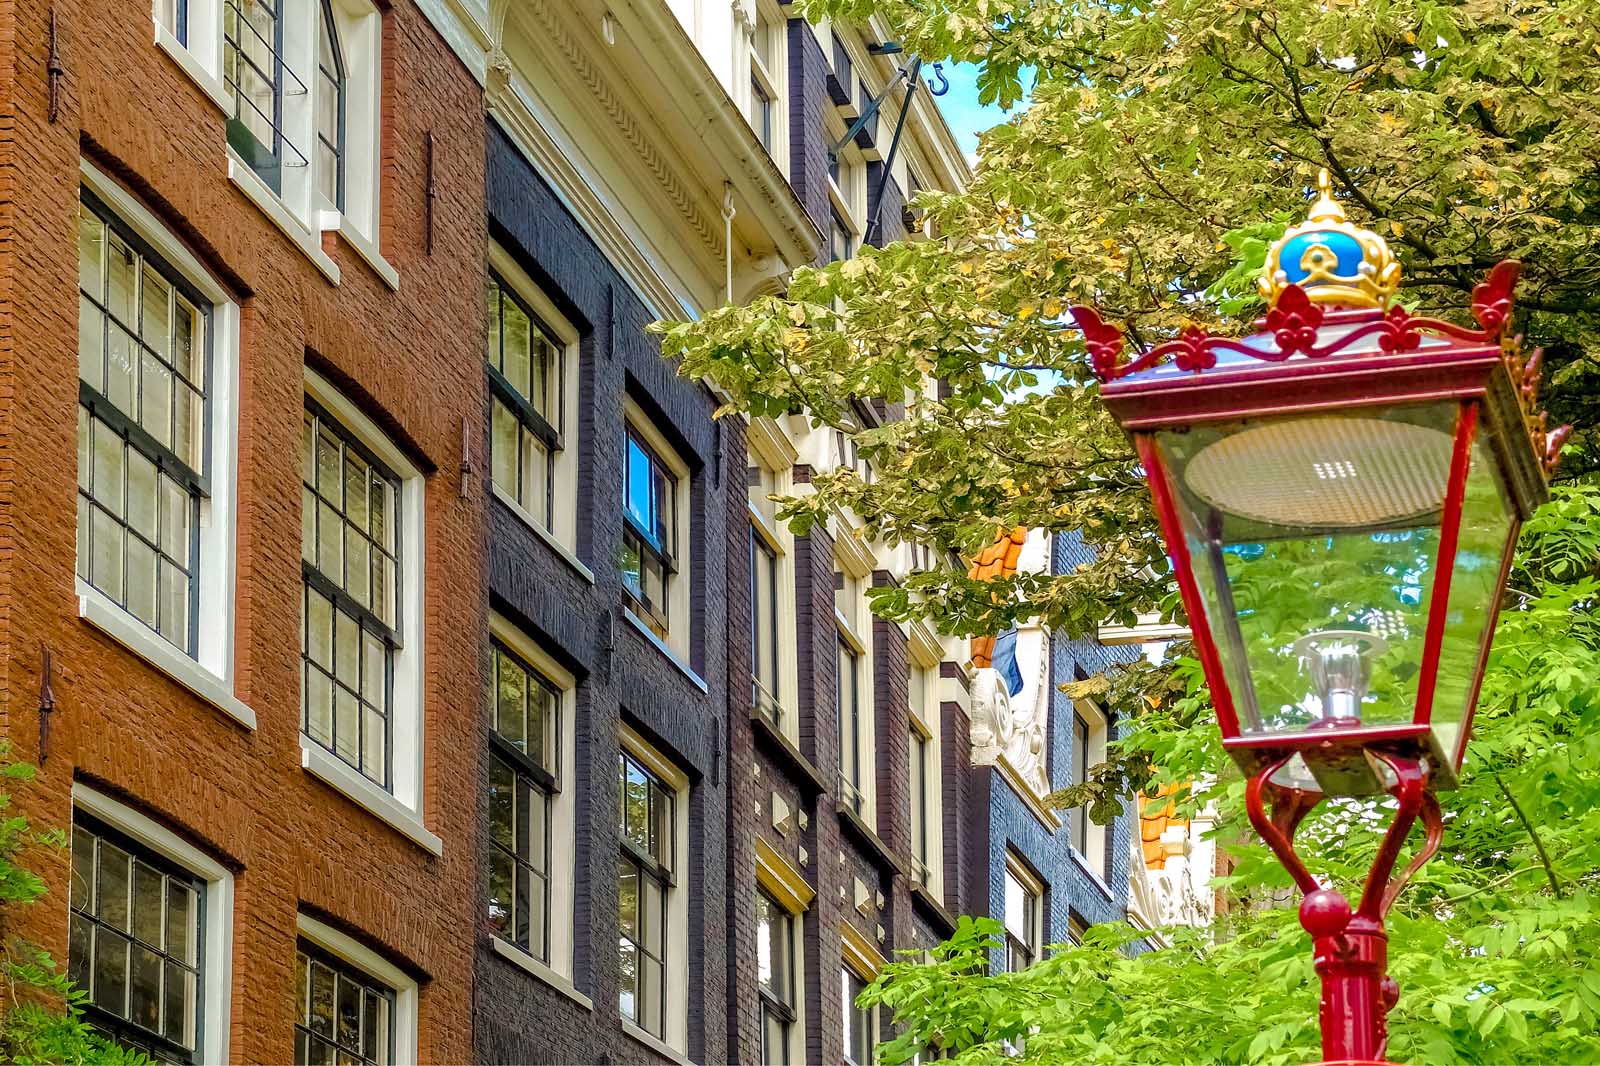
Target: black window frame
266,161
1078,837
529,418
529,779
124,1030
340,77
764,698
852,780
315,952
775,1003
646,865
314,581
101,408
644,540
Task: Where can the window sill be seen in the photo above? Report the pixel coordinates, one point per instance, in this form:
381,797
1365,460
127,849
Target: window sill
332,771
258,193
517,957
661,646
123,628
927,899
811,781
212,86
875,845
1088,871
656,1044
338,222
544,534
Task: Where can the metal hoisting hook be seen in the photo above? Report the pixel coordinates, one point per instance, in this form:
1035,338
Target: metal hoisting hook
943,82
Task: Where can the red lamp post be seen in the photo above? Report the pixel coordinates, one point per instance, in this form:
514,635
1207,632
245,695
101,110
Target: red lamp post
1340,493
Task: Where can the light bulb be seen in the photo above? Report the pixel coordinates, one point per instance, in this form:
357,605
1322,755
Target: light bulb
1339,662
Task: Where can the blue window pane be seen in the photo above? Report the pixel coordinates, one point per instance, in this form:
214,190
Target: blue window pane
639,484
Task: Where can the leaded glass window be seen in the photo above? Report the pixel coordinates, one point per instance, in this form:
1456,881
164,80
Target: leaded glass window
645,879
134,942
649,536
526,401
350,559
524,712
142,404
257,79
342,1016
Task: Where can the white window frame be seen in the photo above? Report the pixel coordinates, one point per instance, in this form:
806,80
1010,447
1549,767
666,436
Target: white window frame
215,1002
351,951
675,1042
923,679
854,627
769,458
1093,851
298,209
676,643
1033,892
209,674
563,819
769,18
402,807
563,537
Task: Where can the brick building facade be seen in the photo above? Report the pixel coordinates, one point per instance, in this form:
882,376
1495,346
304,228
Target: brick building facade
555,745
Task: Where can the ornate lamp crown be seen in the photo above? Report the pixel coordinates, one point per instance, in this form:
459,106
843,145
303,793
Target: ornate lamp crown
1336,262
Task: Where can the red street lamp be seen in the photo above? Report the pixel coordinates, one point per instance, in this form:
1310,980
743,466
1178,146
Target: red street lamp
1340,493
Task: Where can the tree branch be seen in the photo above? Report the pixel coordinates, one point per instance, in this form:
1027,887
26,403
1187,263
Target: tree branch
1538,844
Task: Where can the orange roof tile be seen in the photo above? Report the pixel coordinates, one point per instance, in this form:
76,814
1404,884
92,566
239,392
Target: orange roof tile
997,560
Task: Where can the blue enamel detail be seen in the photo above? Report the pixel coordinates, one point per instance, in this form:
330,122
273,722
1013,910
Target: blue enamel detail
1346,250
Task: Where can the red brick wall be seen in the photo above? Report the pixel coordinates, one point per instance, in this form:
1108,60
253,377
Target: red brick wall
416,356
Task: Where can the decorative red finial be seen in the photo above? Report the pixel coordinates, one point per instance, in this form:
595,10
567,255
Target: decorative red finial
1294,320
1491,299
1103,340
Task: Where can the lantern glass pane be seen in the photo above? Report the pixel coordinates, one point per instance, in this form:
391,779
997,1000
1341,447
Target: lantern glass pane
1486,532
1314,542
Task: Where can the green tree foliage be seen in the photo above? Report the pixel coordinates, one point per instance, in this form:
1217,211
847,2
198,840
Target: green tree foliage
1496,944
1164,146
41,1020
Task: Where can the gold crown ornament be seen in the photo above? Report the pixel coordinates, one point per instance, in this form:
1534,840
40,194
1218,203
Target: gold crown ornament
1336,262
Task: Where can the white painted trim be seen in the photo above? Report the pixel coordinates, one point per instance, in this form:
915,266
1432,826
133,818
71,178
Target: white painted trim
214,649
218,908
656,1044
366,249
187,62
661,646
517,957
409,711
278,213
563,814
544,534
374,965
122,627
343,778
464,30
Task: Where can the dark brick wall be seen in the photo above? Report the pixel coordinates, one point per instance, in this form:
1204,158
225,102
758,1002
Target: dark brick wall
622,677
293,843
809,107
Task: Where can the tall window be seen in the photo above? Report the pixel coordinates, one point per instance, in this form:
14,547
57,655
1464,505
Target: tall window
764,620
646,824
135,943
1080,774
526,381
342,1015
858,1036
921,831
767,77
524,769
841,239
776,975
650,534
350,552
852,783
1023,913
257,78
330,109
142,421
1089,734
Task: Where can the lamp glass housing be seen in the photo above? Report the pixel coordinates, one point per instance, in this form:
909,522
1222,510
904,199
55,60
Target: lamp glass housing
1315,544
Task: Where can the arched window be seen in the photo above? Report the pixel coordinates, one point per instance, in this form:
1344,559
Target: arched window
330,110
